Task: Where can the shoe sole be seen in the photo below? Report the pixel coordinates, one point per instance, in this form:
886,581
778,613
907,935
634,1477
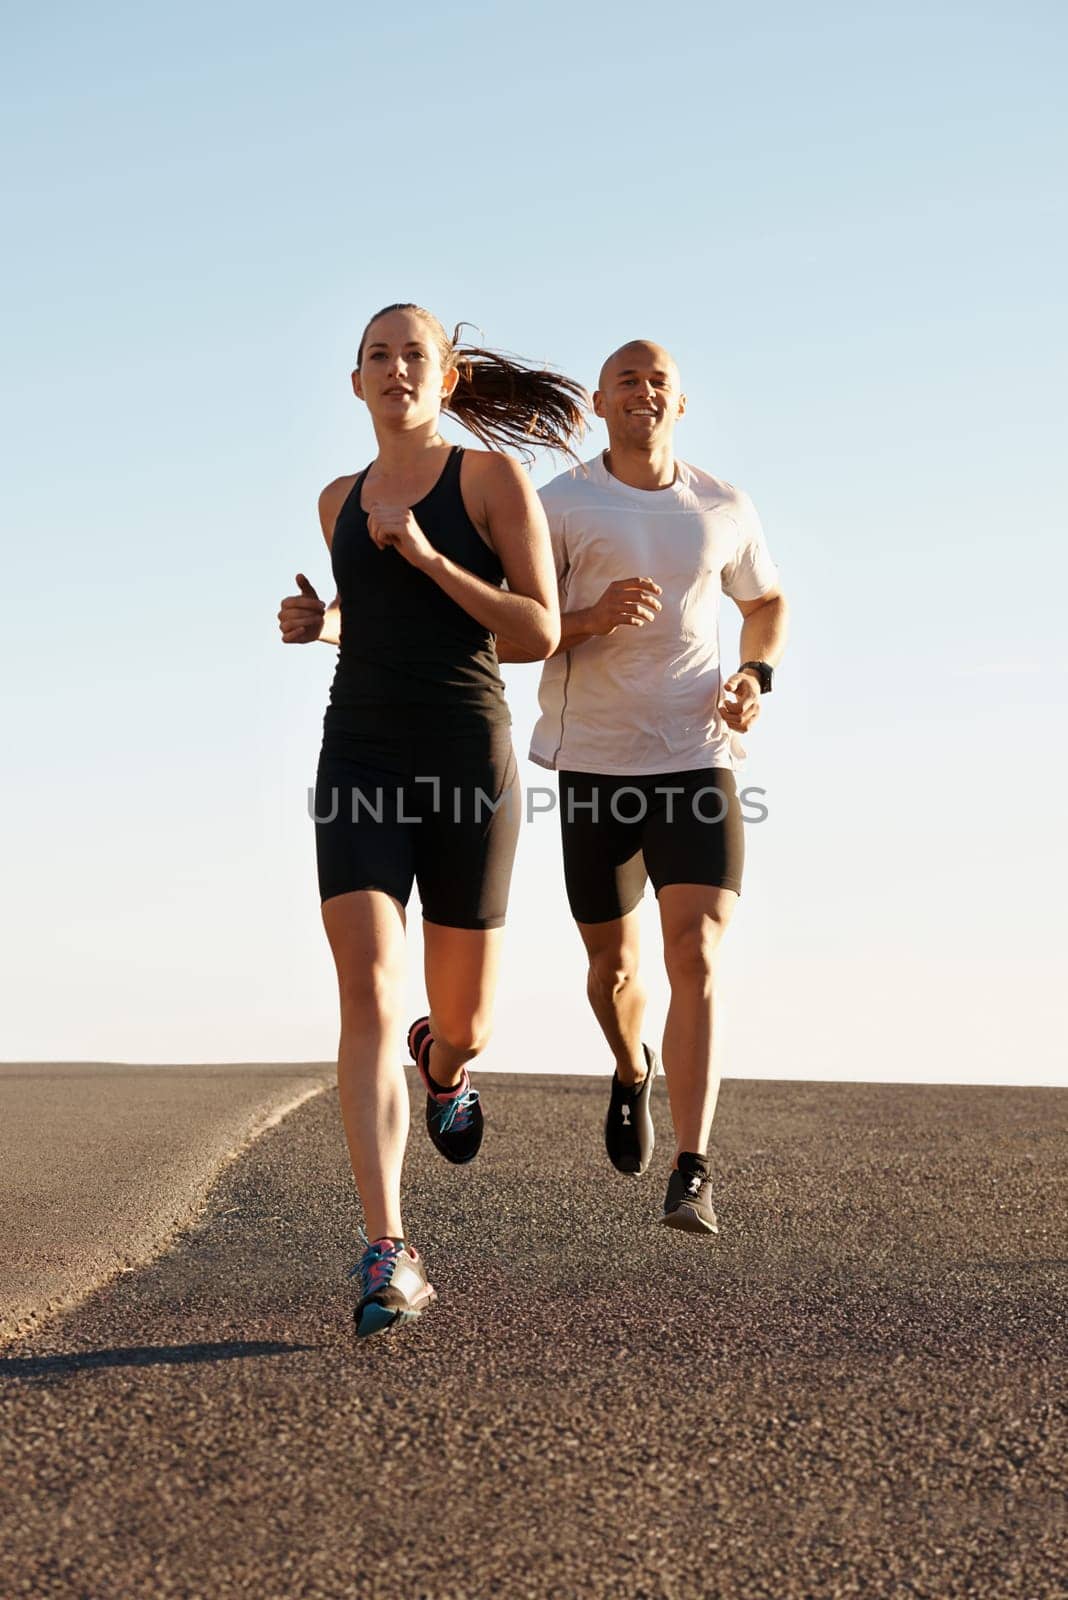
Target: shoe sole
687,1220
379,1319
634,1167
417,1026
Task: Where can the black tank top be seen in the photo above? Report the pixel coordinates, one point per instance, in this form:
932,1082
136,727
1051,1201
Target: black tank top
410,658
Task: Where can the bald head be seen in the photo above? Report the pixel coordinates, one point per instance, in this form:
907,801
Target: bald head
639,398
638,355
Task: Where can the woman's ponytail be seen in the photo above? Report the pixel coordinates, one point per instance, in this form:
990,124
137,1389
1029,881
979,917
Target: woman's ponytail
505,402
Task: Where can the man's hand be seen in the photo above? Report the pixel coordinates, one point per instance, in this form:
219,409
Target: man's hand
395,525
300,618
626,603
739,701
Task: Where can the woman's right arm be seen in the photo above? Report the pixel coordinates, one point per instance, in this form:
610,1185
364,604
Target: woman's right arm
303,618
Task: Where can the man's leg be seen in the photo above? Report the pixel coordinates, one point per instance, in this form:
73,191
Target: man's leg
615,990
694,918
605,876
604,870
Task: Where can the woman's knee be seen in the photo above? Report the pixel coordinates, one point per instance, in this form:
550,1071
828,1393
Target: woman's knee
371,993
467,1034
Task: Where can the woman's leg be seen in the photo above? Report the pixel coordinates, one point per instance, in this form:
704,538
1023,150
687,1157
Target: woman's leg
366,934
461,967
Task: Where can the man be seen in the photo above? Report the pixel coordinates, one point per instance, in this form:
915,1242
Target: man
643,730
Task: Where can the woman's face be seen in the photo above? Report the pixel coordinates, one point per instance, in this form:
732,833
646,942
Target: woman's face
400,376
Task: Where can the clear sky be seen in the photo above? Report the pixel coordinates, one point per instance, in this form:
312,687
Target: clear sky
848,224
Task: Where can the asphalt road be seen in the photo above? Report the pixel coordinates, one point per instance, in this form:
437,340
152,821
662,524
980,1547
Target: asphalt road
101,1163
850,1393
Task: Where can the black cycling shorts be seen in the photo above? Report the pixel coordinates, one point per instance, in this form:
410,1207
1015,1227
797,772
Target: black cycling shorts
442,813
674,827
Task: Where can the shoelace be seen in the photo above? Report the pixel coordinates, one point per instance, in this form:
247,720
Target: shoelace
455,1115
375,1267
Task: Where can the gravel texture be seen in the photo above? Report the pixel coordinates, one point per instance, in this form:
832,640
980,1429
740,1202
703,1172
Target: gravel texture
102,1163
850,1393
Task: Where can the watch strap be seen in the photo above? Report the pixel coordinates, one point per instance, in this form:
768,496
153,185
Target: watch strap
762,671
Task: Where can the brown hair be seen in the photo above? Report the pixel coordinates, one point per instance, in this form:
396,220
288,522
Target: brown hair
499,399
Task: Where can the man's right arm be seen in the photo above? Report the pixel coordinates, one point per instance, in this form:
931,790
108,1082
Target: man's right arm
626,603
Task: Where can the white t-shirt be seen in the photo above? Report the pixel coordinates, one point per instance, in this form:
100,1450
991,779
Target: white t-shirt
644,700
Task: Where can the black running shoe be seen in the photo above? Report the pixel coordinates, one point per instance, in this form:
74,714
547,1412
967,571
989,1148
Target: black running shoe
453,1119
393,1286
689,1199
628,1127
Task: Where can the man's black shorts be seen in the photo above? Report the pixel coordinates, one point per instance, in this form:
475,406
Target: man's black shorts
674,827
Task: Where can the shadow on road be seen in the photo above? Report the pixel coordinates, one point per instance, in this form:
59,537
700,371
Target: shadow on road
142,1356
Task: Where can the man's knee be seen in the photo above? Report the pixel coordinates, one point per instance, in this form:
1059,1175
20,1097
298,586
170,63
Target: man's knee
611,970
690,952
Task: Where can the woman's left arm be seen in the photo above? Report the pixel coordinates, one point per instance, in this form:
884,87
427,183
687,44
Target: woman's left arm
505,506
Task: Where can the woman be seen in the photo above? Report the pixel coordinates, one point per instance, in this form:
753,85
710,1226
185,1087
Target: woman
417,780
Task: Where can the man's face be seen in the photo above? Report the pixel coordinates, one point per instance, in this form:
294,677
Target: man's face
639,397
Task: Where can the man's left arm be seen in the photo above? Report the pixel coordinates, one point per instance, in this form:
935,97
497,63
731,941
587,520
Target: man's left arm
763,638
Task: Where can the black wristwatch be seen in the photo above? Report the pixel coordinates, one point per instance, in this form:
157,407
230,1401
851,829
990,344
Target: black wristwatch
763,672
